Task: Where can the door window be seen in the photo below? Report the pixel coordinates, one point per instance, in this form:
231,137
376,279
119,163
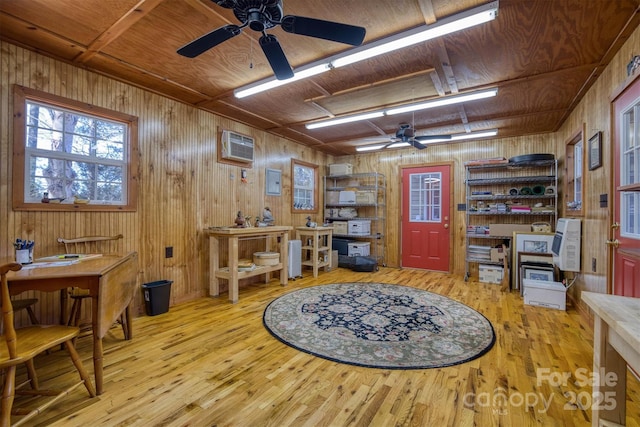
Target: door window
425,203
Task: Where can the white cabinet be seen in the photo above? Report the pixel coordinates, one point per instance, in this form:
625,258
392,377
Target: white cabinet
355,205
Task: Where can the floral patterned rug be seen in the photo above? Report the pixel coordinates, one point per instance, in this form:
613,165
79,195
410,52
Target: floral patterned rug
379,325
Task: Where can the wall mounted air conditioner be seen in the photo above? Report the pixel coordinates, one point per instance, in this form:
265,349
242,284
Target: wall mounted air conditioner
236,146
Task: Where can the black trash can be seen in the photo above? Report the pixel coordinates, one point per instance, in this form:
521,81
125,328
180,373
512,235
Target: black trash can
156,296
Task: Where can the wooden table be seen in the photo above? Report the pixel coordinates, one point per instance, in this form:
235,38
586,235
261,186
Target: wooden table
319,247
111,281
616,343
230,272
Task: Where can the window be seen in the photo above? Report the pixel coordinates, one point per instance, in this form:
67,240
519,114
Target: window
425,197
305,184
574,184
73,155
629,176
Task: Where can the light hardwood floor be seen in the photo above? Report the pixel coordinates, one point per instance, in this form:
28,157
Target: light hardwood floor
212,363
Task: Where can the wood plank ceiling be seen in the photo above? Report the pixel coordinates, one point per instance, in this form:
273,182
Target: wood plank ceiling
542,55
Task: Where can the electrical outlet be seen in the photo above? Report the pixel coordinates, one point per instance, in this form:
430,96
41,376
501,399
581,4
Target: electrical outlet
168,252
593,265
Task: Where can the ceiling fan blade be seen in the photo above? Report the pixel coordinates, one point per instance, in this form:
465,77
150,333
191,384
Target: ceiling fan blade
278,61
417,144
328,30
209,40
433,138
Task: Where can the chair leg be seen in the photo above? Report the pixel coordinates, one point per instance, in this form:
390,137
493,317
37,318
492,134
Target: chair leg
7,395
31,373
75,358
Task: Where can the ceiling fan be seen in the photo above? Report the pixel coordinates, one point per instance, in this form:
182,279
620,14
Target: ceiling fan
261,15
407,134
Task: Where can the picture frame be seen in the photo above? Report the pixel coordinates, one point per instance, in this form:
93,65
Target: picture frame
538,274
595,151
539,241
273,185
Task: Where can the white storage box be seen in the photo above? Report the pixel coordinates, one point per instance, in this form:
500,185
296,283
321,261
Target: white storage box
490,273
365,197
359,227
341,169
340,227
545,294
347,198
359,248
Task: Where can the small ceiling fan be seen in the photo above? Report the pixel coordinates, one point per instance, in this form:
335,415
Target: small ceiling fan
261,15
407,134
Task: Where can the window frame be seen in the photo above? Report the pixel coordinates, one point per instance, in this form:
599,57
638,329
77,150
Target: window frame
20,98
295,163
571,165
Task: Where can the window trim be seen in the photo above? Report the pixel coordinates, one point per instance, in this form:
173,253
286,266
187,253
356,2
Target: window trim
20,96
295,163
570,174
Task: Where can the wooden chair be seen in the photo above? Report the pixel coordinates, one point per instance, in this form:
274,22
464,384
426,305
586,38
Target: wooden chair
89,245
18,346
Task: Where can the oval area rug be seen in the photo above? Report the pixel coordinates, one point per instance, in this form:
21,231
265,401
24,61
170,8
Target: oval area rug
379,325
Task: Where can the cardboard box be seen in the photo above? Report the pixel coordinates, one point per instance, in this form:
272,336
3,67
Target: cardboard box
359,248
545,294
333,198
334,259
347,198
359,227
498,255
508,229
340,169
490,274
365,197
340,227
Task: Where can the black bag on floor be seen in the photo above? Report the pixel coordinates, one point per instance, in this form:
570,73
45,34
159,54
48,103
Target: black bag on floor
365,263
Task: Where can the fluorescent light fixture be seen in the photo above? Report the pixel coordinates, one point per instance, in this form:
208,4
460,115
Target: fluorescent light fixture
398,145
448,25
456,99
347,119
472,135
370,147
449,100
270,84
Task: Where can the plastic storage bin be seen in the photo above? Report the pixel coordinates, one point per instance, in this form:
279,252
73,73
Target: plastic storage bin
156,296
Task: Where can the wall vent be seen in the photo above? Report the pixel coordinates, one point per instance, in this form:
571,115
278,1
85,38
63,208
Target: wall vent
236,146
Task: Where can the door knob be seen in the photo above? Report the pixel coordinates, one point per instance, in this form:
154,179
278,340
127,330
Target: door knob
446,226
615,243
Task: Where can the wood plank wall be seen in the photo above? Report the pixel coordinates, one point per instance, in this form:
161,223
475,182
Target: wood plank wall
184,189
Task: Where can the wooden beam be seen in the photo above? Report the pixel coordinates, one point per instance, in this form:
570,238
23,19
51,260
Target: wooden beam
126,21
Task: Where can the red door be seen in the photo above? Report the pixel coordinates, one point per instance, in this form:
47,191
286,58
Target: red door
425,216
626,206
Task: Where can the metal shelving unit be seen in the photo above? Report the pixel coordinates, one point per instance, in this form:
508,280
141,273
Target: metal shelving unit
373,210
508,185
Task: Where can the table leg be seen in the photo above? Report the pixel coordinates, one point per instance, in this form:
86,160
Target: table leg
233,269
284,254
610,379
214,264
97,345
